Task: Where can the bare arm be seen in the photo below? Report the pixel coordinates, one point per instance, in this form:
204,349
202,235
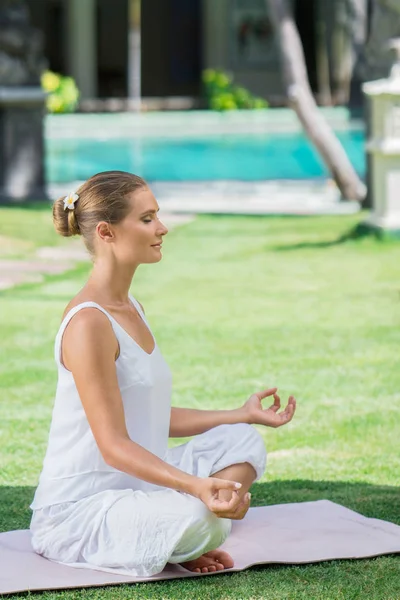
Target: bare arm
187,421
89,350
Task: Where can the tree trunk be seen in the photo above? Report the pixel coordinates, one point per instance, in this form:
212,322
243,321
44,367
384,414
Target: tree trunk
301,99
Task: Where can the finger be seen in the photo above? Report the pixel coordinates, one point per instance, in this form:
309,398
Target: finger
224,506
242,507
245,503
240,512
276,405
288,413
234,501
265,393
291,407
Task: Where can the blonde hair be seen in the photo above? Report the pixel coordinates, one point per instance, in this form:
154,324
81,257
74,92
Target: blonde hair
103,197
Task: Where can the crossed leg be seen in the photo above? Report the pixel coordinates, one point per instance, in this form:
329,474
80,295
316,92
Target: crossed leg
218,560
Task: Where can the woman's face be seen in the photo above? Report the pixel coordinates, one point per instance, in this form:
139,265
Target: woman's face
138,238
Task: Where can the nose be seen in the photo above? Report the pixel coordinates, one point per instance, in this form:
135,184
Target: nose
163,229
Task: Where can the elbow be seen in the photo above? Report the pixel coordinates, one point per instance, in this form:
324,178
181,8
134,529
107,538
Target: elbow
116,452
110,459
111,454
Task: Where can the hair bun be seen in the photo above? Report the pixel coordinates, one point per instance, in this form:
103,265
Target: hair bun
65,222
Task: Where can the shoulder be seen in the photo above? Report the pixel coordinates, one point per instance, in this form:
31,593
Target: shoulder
88,337
89,327
80,298
141,305
88,319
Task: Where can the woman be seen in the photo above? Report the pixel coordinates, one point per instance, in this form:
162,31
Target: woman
111,496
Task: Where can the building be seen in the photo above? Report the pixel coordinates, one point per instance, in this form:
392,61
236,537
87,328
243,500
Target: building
96,42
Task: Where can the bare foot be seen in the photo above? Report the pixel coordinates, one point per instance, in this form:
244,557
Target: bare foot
216,560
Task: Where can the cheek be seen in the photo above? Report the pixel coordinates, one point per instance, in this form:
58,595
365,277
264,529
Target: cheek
140,235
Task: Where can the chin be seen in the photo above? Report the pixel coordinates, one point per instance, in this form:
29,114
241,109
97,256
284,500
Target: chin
152,260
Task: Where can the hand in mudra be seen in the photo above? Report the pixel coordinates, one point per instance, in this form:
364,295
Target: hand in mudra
255,414
222,498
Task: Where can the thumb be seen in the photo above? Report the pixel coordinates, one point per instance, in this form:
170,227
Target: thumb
225,484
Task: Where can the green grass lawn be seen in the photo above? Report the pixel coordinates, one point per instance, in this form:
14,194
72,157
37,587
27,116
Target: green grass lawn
238,304
25,228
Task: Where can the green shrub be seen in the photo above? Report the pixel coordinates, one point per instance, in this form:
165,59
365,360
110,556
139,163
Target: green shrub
222,94
63,95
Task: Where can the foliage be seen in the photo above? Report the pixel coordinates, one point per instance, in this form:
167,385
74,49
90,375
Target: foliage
63,94
222,94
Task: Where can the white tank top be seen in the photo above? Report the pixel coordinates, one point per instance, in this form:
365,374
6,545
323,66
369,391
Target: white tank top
73,467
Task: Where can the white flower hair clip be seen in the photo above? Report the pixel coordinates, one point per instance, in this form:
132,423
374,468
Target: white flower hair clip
69,201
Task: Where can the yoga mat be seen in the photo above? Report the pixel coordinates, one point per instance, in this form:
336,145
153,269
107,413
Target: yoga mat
306,532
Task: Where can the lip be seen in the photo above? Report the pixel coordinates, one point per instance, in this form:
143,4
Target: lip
157,245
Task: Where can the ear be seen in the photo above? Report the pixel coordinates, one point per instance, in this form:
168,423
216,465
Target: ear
105,232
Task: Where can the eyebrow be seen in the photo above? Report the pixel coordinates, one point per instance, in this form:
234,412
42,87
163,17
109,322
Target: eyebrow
150,212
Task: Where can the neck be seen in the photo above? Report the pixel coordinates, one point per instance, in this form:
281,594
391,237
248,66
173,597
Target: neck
111,281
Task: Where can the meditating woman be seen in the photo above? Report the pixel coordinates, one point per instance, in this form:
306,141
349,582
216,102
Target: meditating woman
111,495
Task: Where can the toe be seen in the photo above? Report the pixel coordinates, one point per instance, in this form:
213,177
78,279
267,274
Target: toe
221,557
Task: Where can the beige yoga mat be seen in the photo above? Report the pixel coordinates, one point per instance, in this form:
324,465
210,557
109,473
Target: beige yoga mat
299,533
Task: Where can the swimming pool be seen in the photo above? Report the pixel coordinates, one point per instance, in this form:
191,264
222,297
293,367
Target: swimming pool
221,157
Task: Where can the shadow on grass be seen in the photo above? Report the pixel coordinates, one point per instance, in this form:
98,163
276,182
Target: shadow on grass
377,501
358,232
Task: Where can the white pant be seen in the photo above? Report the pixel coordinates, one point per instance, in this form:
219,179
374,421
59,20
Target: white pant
132,532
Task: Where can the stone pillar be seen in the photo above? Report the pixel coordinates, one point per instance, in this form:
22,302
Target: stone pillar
81,22
21,105
21,146
384,149
134,54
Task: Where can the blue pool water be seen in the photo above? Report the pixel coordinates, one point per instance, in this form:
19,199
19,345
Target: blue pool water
243,157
